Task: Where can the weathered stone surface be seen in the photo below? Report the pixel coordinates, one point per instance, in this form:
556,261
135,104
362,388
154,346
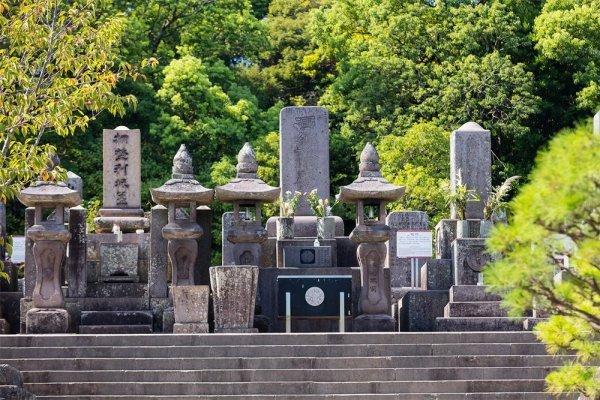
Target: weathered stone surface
470,164
307,257
479,324
116,318
472,293
29,272
11,312
597,123
400,268
121,149
374,323
445,233
227,257
418,309
47,320
283,244
436,274
469,259
119,262
74,182
157,274
469,228
304,152
234,296
204,217
2,230
77,260
10,376
190,304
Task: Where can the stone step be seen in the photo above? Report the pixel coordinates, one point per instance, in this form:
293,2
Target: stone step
256,363
356,396
69,340
471,293
474,309
273,387
114,329
116,318
461,324
112,289
113,303
282,375
276,351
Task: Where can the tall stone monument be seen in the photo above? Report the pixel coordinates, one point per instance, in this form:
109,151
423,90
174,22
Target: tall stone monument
470,165
121,200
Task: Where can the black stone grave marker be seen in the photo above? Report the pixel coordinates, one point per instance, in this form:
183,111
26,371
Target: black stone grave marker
314,295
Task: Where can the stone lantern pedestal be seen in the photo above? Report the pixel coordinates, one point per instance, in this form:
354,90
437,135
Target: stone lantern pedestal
370,192
234,297
49,237
181,195
190,305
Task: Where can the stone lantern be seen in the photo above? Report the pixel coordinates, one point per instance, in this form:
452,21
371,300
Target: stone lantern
181,195
49,236
247,192
370,192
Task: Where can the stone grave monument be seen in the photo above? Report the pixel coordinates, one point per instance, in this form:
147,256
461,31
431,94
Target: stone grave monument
370,192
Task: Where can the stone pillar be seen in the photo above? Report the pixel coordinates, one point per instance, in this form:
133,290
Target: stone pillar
468,258
2,230
234,296
29,279
597,123
470,165
157,274
77,261
204,217
190,304
401,268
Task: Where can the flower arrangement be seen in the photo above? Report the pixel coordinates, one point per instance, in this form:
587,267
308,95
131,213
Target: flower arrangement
321,207
460,197
289,203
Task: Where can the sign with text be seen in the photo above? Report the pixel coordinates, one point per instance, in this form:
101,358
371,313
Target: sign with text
414,244
18,250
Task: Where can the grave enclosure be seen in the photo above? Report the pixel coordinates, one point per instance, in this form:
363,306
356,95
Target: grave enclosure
150,272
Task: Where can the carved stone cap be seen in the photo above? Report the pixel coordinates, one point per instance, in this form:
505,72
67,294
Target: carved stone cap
370,185
49,194
182,187
247,185
183,166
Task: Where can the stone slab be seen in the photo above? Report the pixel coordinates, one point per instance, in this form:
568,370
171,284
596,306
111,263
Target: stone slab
471,164
119,262
436,274
597,123
374,323
197,327
304,152
121,154
77,260
307,257
418,309
55,320
29,271
116,318
474,309
304,226
204,217
472,293
157,273
10,306
114,329
479,324
304,243
469,258
190,304
400,268
445,233
234,289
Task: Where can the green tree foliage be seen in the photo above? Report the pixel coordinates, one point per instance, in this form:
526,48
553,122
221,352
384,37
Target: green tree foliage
406,160
57,71
557,213
567,33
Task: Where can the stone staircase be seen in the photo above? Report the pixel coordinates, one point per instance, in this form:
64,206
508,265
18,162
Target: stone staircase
471,308
351,366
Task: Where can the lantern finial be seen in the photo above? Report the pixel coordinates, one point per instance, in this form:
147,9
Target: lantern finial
369,162
182,164
247,167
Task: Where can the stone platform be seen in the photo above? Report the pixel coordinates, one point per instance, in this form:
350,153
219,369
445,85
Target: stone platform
473,365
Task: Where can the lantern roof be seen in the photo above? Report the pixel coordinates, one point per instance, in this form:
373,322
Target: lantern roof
49,194
182,187
370,184
247,185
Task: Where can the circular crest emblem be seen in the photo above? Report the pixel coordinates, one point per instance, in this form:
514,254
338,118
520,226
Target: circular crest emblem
314,296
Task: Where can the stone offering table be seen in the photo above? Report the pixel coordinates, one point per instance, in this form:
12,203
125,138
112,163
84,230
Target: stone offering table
234,297
49,237
370,192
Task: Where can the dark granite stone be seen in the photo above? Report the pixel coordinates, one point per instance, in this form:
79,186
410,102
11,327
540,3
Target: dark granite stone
436,274
418,309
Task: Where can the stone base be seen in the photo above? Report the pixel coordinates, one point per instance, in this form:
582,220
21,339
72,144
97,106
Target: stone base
168,320
4,327
45,320
191,327
304,226
127,224
374,323
236,330
418,309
